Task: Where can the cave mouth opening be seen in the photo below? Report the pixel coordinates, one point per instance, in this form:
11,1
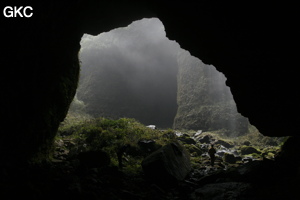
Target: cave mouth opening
137,72
130,72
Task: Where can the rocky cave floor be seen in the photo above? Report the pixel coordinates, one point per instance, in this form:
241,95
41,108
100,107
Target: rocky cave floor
65,179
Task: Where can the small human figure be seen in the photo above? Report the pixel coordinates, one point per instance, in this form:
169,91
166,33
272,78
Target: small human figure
120,151
211,153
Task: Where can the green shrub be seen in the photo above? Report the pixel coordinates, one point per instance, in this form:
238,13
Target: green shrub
111,135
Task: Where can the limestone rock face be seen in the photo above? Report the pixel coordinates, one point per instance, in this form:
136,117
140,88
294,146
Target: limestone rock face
204,100
168,164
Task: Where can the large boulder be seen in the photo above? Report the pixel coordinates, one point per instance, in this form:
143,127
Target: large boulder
206,139
223,143
169,164
229,158
186,139
229,190
249,150
193,149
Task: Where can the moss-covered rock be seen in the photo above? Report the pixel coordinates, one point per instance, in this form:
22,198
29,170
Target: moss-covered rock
168,164
224,143
194,150
248,150
186,139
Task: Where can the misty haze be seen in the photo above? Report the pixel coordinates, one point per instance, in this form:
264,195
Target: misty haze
137,72
130,72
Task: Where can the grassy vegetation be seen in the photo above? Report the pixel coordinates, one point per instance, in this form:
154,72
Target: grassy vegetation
86,133
254,137
257,139
89,134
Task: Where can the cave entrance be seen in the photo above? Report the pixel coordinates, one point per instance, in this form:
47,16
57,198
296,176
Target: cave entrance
130,72
137,72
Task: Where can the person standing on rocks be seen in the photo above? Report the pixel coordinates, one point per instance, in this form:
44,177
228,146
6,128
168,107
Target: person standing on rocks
211,153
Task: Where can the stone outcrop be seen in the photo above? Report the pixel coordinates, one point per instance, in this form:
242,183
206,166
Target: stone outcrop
248,150
204,100
168,164
229,158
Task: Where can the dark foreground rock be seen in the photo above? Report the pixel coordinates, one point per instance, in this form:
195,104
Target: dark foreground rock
93,159
223,143
227,190
168,164
257,180
206,139
229,158
186,139
167,175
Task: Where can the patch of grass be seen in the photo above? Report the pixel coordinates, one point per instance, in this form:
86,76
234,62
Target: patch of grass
111,136
254,137
259,140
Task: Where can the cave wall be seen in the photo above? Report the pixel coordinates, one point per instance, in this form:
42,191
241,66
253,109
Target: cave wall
204,101
40,70
252,44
